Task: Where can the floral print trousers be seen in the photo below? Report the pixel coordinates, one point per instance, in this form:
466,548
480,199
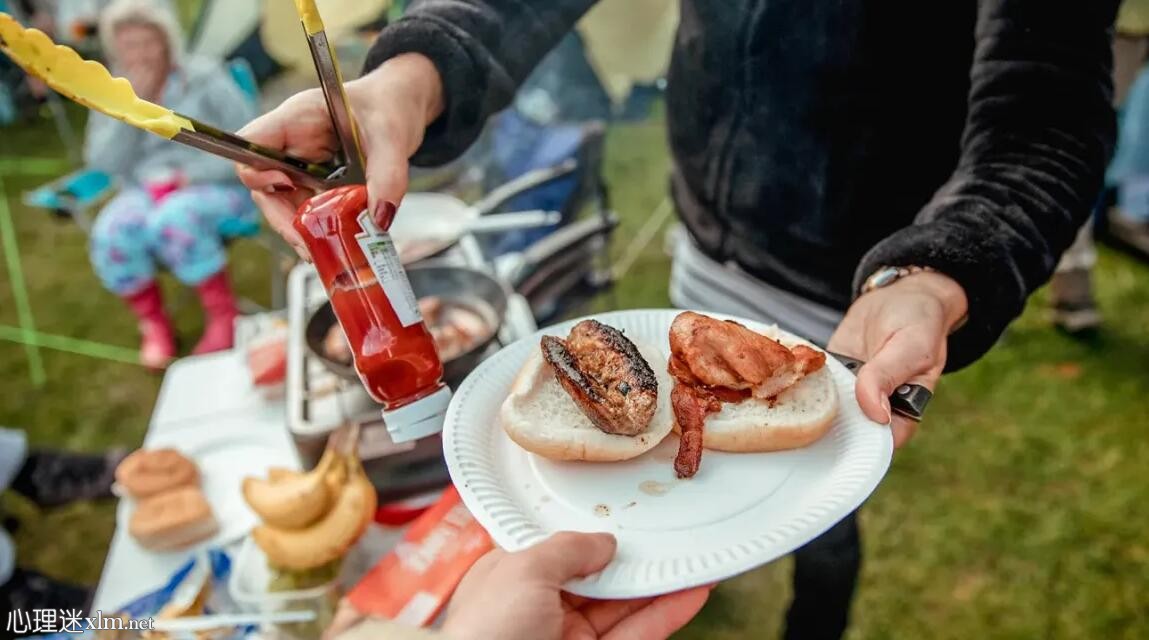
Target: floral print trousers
134,235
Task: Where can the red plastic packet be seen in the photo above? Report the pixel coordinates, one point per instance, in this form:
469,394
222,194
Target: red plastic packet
413,582
267,362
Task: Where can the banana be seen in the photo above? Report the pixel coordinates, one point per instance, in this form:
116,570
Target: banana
327,539
292,500
276,474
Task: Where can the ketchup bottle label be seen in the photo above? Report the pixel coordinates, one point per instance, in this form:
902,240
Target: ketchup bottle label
380,251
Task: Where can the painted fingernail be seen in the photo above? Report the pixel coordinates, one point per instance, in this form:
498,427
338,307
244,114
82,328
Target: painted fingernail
384,214
279,187
886,408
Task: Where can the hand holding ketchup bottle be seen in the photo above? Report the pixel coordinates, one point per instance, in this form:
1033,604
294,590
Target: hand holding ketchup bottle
394,351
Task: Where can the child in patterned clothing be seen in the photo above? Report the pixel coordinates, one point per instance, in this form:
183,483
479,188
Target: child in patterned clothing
174,199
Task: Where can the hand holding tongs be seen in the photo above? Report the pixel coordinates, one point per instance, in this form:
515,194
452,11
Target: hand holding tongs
349,166
90,84
353,166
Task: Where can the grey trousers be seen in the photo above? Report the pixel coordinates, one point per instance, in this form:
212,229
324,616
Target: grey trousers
826,569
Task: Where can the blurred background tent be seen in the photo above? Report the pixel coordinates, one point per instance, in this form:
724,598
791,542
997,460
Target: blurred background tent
628,42
1133,18
266,33
280,27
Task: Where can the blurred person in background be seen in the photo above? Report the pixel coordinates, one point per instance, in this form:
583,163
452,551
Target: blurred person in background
174,199
21,94
1071,289
888,179
1128,221
49,479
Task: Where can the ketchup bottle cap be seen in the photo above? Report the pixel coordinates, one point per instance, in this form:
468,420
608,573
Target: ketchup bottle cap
419,419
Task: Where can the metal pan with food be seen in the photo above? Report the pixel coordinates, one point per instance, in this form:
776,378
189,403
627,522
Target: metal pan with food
462,307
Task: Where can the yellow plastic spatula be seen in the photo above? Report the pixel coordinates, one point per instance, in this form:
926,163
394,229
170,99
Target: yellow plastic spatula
90,84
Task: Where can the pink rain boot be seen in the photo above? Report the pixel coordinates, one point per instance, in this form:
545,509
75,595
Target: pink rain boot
219,307
158,346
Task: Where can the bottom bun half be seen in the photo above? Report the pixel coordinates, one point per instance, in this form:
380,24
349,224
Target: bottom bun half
540,416
797,417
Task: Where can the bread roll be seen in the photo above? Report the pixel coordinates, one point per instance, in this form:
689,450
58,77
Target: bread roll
148,472
173,520
542,418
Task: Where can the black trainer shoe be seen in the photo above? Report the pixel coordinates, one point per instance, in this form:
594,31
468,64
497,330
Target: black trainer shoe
28,591
55,478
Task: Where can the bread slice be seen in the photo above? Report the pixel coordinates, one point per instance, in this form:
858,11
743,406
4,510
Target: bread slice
542,418
797,417
173,520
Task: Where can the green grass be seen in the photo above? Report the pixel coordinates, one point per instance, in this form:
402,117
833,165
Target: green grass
1018,512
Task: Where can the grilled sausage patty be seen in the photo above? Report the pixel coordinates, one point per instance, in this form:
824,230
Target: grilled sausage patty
605,375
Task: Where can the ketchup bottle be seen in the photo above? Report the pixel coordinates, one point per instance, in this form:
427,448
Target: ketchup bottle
394,352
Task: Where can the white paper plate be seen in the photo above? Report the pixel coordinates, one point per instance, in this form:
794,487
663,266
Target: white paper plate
225,455
739,512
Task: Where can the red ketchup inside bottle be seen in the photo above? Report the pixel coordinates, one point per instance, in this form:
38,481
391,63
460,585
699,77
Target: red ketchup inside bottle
393,350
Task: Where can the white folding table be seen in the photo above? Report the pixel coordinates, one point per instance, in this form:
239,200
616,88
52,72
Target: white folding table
198,393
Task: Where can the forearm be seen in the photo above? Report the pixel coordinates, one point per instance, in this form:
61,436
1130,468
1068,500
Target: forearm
1038,135
482,50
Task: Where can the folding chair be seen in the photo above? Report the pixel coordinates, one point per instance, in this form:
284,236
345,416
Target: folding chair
560,273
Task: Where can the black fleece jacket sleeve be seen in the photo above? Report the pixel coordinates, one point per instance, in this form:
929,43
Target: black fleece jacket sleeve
1039,132
483,50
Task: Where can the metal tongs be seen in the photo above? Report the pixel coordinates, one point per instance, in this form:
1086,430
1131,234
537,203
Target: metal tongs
59,67
349,166
319,176
352,169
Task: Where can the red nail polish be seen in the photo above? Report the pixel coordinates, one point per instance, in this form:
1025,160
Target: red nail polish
282,188
384,214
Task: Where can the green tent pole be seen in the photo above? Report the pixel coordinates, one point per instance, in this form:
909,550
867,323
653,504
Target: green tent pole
20,291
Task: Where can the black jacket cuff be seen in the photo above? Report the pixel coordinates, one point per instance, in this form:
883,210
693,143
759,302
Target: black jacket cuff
954,246
463,83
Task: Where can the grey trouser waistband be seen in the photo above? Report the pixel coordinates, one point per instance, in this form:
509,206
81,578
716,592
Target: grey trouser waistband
698,282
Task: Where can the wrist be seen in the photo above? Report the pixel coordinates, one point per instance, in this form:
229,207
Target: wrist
415,77
946,290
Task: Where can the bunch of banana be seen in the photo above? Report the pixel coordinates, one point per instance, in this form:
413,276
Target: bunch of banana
311,519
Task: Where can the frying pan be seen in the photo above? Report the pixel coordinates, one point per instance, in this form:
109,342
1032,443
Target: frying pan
458,285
